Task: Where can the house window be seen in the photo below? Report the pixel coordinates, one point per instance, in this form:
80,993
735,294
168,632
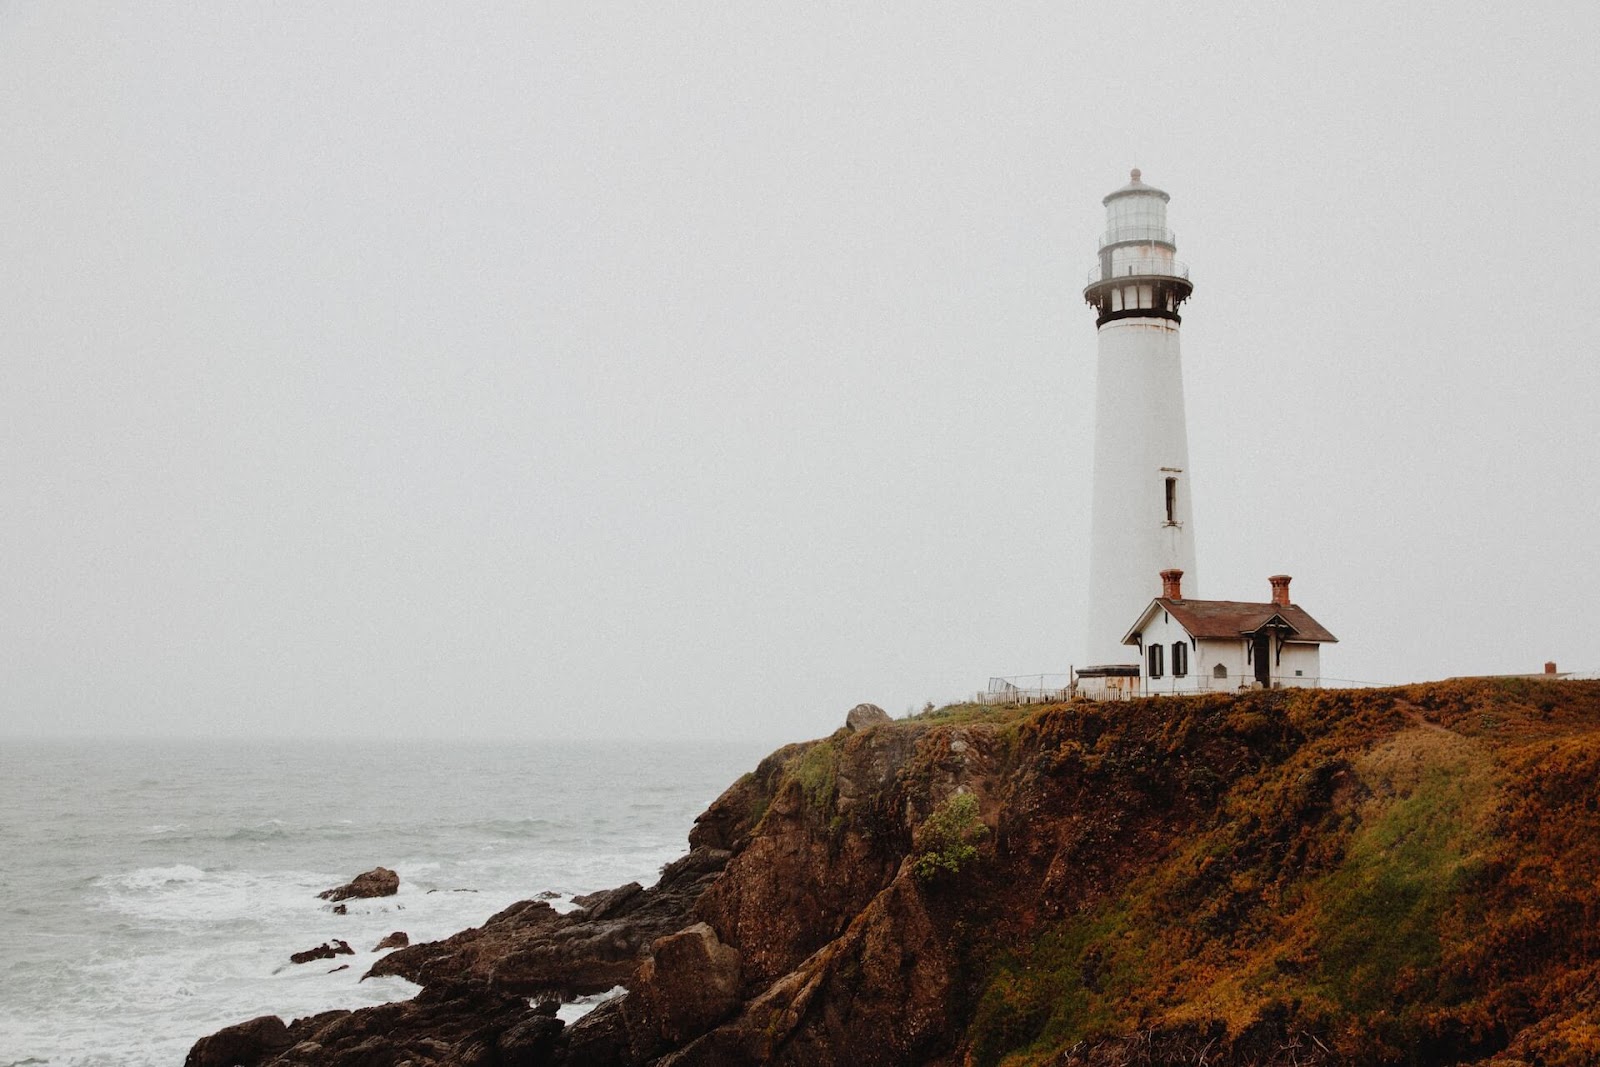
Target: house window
1172,501
1180,659
1219,671
1156,656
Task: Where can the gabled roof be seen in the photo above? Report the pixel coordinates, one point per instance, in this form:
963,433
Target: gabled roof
1234,619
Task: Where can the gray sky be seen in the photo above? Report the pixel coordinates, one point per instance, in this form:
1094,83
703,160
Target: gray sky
603,369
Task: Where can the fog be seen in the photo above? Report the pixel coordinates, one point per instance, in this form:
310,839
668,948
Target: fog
603,370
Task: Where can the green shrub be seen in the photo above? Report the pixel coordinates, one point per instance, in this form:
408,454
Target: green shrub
948,839
818,772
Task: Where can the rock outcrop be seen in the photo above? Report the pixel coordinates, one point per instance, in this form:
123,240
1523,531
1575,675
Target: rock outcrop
245,1044
1273,878
378,882
533,950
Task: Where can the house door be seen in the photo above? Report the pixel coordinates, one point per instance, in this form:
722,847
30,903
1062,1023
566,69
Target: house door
1262,654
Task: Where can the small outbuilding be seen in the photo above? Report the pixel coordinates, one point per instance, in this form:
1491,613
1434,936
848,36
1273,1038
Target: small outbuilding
1193,646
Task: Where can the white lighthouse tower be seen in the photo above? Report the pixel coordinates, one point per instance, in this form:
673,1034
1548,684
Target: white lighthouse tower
1141,516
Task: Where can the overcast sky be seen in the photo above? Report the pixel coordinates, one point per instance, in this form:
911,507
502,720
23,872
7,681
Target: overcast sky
633,369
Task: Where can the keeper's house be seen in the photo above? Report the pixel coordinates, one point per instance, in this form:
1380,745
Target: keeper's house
1191,646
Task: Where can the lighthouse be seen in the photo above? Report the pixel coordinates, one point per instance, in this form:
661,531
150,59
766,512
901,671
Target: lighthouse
1141,518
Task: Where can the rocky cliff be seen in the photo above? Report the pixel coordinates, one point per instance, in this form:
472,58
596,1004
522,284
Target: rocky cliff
1404,876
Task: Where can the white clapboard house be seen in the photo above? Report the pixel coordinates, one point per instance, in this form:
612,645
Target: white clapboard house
1191,646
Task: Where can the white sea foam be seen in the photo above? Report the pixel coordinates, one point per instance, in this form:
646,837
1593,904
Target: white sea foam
577,1009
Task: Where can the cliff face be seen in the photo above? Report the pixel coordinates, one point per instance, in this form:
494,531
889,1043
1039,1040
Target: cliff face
1298,877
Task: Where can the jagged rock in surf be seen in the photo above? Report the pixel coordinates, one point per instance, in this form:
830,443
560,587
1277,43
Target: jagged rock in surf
398,939
325,951
378,882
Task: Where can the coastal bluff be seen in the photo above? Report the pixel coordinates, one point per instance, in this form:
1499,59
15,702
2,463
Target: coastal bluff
1389,876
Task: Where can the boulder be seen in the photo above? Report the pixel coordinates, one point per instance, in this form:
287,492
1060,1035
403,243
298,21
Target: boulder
325,951
398,939
688,985
865,716
378,882
245,1044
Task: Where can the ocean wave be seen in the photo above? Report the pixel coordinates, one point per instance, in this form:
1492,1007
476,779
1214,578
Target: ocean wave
155,877
529,826
269,830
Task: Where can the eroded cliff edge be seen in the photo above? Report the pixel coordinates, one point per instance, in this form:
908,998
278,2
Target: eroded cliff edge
1407,875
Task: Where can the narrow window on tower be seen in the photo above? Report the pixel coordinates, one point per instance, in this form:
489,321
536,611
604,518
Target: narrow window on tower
1172,501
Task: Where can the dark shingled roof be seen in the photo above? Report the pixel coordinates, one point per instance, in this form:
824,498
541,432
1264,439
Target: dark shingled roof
1235,618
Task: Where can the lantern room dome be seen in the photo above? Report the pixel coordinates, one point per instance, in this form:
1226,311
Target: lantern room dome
1135,187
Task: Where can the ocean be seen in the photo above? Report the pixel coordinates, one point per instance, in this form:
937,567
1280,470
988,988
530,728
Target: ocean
151,893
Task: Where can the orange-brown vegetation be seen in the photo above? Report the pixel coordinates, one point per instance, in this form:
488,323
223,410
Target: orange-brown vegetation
1403,876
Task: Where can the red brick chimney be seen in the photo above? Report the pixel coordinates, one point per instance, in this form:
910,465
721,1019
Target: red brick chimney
1550,667
1172,584
1280,589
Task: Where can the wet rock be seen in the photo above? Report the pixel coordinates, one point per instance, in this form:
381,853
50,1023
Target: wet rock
865,716
325,951
378,882
398,939
245,1044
